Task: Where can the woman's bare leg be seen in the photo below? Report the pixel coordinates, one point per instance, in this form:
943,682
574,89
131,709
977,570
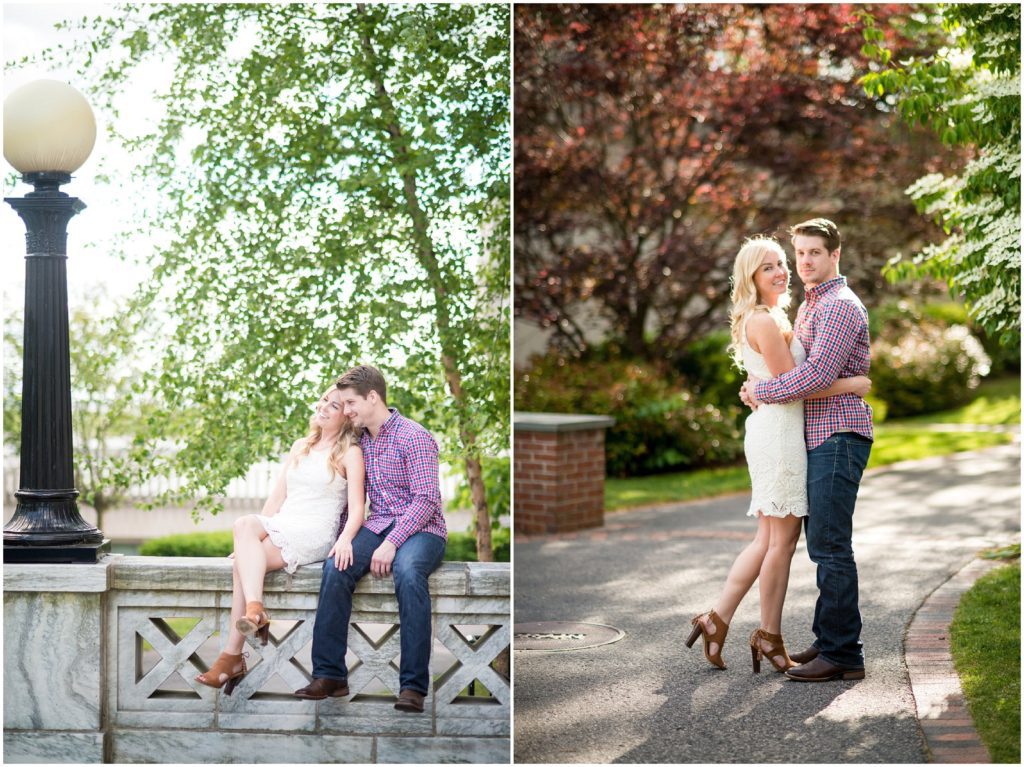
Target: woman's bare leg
235,641
741,577
255,555
272,555
251,560
784,532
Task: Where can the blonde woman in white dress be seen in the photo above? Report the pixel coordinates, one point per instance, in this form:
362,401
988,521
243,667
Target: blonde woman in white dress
314,512
763,344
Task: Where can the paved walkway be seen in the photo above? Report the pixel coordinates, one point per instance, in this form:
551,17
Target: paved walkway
647,698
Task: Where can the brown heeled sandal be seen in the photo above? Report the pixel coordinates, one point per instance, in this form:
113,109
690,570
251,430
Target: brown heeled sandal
230,667
776,649
721,629
255,622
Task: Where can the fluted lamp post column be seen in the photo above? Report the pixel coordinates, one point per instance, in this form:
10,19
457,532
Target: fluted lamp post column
49,131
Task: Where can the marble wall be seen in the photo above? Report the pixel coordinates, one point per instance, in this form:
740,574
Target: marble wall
99,663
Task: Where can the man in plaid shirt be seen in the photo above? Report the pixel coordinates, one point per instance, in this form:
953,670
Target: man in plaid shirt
832,325
405,535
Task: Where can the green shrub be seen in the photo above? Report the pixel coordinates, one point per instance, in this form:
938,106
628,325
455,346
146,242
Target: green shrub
879,407
1004,358
660,424
924,358
945,313
900,314
707,367
218,543
462,546
927,368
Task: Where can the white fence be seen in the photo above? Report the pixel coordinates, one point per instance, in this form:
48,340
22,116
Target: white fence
242,493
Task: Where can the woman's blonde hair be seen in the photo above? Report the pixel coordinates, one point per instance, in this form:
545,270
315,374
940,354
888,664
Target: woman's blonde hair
745,300
347,437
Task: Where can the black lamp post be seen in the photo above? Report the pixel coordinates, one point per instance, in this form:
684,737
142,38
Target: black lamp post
49,131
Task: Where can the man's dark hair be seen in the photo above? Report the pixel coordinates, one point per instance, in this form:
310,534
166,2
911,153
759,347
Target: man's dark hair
364,379
818,227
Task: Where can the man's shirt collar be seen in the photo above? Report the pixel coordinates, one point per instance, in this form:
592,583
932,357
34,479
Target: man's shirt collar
824,288
384,427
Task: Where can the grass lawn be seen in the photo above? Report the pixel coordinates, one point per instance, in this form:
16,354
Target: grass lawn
997,402
895,442
985,640
678,486
180,626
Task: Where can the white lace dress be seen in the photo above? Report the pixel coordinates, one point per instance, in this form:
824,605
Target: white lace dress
313,512
775,447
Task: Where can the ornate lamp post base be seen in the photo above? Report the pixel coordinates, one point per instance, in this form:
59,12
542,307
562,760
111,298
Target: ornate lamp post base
47,528
79,554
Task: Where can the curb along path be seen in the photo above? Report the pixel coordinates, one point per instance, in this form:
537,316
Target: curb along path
941,709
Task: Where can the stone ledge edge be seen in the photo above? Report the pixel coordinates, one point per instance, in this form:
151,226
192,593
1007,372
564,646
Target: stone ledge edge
559,422
118,572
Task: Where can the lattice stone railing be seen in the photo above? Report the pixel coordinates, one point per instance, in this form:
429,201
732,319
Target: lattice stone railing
163,623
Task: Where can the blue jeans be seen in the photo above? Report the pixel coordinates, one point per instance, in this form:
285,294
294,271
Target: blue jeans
414,561
834,469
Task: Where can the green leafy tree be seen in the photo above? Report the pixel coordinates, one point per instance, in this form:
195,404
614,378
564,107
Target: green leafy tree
333,187
108,405
969,94
651,139
497,479
13,352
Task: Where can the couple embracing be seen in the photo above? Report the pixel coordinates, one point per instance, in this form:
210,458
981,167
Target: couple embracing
807,442
357,448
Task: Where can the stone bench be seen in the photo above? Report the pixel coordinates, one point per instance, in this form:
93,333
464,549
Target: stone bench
99,663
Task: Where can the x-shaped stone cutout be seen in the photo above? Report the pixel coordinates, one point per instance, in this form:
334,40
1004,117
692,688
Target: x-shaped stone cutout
475,662
276,658
173,657
375,658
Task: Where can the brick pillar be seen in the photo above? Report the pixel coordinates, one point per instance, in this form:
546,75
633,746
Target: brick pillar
559,472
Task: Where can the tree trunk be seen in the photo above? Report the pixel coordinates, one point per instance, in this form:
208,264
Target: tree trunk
101,506
428,260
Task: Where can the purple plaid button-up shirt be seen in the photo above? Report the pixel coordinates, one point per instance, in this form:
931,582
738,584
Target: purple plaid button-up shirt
832,325
402,480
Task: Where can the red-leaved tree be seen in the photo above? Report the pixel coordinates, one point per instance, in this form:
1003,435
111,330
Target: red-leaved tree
650,140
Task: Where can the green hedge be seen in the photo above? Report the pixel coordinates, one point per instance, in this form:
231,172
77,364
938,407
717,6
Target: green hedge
216,544
923,361
707,366
461,546
660,423
1004,358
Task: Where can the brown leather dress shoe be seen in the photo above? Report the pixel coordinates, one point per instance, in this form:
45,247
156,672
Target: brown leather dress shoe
410,700
806,656
820,670
319,689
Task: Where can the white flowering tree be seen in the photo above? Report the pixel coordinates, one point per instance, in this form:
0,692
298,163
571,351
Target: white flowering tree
969,94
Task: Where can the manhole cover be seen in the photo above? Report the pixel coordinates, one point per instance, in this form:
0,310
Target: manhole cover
562,635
